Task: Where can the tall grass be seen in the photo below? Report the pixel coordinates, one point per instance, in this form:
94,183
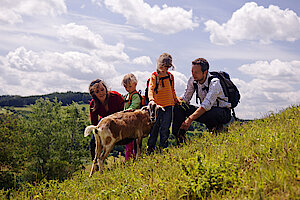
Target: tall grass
257,160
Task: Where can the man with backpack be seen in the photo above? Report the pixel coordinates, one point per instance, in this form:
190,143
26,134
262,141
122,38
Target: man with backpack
215,107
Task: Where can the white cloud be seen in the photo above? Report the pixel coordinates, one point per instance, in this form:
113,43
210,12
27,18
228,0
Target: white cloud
274,87
80,36
44,72
165,20
11,11
87,56
97,2
180,82
142,60
274,70
253,22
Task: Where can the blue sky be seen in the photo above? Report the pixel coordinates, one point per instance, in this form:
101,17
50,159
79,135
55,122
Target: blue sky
62,45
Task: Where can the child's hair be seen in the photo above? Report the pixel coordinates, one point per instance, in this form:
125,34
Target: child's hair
129,78
165,60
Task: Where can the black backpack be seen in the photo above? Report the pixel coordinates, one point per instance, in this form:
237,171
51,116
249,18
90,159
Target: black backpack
229,89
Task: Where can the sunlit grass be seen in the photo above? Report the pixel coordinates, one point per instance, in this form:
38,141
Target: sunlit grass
255,160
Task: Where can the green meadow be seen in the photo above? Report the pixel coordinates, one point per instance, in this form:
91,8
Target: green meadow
254,160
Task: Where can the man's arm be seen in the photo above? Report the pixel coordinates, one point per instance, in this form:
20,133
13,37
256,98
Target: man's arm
215,90
189,91
186,124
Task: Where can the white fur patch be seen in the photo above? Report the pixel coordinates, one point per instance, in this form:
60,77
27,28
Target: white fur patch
88,130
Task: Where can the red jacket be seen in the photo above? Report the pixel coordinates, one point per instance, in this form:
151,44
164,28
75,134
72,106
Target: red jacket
115,104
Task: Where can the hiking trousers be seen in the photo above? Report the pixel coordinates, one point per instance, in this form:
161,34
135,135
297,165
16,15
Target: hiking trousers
162,126
213,118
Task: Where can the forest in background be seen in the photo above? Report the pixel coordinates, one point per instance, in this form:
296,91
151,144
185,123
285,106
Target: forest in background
65,98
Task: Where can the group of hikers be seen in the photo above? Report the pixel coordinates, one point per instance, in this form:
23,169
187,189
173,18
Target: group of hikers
214,110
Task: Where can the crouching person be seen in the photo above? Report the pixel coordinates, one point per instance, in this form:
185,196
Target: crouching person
214,110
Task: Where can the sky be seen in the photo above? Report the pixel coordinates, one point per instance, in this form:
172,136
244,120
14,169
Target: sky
62,45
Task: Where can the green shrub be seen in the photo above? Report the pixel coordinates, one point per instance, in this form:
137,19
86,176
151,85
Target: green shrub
205,178
46,143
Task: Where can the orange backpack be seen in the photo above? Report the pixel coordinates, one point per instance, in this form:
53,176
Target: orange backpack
142,98
156,85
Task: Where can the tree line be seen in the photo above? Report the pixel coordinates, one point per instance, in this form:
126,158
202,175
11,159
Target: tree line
65,98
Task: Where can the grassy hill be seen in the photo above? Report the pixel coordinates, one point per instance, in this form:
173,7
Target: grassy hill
256,160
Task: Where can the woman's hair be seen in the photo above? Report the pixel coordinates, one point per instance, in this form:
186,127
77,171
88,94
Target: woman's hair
92,93
129,78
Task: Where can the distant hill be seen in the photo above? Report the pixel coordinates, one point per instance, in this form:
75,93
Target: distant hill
66,98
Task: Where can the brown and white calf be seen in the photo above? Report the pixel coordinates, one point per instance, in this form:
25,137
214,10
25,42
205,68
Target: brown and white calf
115,128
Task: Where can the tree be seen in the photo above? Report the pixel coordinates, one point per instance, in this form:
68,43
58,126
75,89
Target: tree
13,145
56,135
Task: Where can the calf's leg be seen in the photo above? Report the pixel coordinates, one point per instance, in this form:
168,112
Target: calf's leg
106,150
98,151
138,147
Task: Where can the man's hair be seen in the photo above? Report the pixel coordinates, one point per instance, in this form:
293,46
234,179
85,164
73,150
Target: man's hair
129,78
202,62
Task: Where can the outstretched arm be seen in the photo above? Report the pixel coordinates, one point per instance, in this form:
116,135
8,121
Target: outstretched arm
186,124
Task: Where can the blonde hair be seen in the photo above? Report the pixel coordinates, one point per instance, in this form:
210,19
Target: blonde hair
129,78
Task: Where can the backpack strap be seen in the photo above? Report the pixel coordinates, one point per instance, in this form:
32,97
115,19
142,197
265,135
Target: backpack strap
197,93
206,88
169,76
209,81
130,97
157,82
147,91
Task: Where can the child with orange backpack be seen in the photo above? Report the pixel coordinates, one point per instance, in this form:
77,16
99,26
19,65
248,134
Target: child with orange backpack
133,100
162,92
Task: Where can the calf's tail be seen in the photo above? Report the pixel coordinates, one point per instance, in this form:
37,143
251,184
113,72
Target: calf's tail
88,130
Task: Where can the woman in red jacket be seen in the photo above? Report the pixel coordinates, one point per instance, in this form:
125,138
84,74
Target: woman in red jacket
104,103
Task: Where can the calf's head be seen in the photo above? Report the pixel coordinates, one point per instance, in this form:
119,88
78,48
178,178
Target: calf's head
153,109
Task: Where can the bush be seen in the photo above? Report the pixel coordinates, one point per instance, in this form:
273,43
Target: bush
205,178
47,143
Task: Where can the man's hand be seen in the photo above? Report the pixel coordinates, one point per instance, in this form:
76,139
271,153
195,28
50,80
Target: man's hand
179,99
186,124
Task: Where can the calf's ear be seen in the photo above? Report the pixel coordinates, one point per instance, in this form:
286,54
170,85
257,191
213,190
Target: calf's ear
160,107
145,107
